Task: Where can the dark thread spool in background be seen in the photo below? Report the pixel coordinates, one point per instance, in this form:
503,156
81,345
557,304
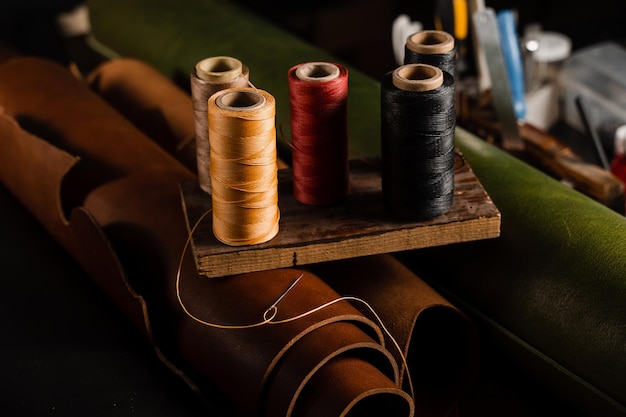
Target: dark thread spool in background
318,93
417,141
432,47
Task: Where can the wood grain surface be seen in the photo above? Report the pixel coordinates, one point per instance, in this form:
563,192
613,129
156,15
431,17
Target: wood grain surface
359,226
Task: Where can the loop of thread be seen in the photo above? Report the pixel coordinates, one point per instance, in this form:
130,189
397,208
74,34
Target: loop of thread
432,47
201,90
244,168
319,132
269,315
417,144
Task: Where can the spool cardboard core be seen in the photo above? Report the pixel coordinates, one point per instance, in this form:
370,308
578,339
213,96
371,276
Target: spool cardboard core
430,42
417,77
242,100
317,72
219,69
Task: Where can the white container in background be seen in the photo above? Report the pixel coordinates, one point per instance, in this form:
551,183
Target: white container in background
598,74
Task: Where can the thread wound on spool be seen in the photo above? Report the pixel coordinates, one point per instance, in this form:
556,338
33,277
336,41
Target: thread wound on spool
417,143
318,93
209,76
432,47
244,168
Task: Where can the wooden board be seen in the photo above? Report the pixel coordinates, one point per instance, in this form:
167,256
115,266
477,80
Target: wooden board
357,227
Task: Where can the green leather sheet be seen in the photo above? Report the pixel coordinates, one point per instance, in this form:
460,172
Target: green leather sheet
551,290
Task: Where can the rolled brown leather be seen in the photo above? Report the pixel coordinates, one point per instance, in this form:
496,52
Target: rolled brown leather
65,150
438,341
157,106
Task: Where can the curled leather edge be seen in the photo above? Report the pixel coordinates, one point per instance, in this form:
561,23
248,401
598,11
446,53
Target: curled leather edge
288,381
422,307
34,176
328,383
305,331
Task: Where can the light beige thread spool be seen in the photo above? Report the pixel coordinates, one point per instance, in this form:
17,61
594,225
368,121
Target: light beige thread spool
209,76
430,42
417,77
244,169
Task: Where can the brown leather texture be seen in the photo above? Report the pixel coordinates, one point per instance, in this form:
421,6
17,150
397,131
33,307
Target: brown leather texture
438,341
165,114
110,195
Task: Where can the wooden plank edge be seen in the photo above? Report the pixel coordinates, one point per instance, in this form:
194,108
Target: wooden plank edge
253,259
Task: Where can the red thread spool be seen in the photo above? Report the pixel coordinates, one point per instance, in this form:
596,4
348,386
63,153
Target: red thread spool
318,93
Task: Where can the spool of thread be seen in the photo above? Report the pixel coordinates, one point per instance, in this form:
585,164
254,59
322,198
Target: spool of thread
209,76
244,170
417,134
432,47
318,93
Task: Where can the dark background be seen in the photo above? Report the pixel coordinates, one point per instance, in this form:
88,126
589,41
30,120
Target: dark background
356,31
359,31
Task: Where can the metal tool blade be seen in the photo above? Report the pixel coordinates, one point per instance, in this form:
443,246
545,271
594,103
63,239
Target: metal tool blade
486,30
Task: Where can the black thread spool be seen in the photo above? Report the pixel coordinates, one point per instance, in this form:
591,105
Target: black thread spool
417,141
432,47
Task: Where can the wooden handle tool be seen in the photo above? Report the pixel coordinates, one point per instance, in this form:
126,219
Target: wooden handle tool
588,178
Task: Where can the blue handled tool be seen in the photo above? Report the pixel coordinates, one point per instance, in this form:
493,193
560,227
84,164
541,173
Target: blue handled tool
509,42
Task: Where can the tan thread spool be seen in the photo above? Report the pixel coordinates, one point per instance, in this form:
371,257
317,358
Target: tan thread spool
417,77
243,159
430,42
209,76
